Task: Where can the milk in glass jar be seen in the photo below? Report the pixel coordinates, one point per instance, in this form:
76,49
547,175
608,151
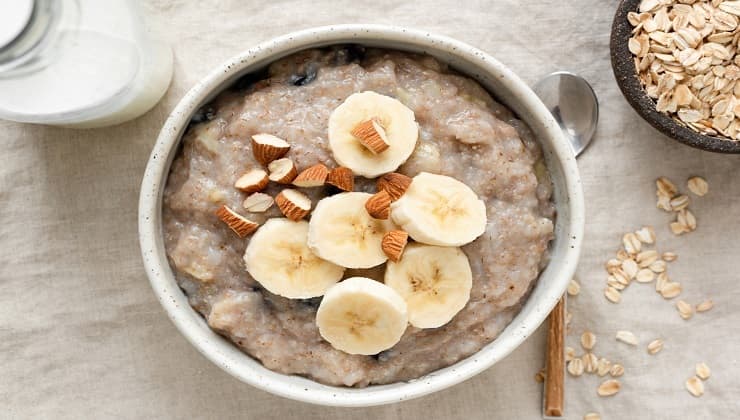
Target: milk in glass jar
79,63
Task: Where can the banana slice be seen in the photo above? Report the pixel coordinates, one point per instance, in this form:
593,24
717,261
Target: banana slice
440,210
277,256
434,281
341,231
397,122
361,316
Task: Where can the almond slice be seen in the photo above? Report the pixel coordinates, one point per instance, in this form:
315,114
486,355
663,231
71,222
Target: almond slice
258,202
282,171
393,244
394,184
372,135
293,204
342,178
238,223
266,148
314,176
379,205
252,181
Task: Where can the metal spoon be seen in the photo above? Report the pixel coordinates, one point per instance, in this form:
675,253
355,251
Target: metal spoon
573,103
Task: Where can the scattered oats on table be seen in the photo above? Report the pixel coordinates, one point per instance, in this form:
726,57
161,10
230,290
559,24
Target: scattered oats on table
613,295
603,366
686,57
570,354
589,362
695,386
627,337
669,256
609,388
617,370
671,290
671,200
573,287
697,185
575,367
702,371
684,309
635,261
655,346
639,261
588,340
705,306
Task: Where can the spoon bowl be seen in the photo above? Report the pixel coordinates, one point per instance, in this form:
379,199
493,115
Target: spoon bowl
573,103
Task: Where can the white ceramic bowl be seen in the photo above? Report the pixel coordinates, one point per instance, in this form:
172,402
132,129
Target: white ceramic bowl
499,80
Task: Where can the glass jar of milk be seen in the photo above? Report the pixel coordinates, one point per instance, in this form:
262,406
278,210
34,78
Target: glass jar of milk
78,63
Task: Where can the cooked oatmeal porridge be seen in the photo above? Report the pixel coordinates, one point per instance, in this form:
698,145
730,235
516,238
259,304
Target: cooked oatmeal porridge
463,133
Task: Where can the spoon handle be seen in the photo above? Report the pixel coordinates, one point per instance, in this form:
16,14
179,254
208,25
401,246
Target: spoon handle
555,363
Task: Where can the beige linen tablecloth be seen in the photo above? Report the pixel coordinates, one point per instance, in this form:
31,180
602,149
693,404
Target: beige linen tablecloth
82,335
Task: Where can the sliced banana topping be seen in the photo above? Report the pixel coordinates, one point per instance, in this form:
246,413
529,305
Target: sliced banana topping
434,282
342,231
361,316
385,133
279,259
440,210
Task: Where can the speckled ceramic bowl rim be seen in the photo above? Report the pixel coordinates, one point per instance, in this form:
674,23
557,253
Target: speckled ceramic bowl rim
506,86
628,82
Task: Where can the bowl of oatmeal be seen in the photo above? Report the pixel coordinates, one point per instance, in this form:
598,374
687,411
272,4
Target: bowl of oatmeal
358,215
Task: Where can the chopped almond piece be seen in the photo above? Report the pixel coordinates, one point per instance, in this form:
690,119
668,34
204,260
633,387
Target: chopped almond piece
238,223
252,181
266,148
393,244
293,204
342,178
315,176
394,184
258,202
282,171
372,135
379,205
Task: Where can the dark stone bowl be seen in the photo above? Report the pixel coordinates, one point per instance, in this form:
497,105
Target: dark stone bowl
626,75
